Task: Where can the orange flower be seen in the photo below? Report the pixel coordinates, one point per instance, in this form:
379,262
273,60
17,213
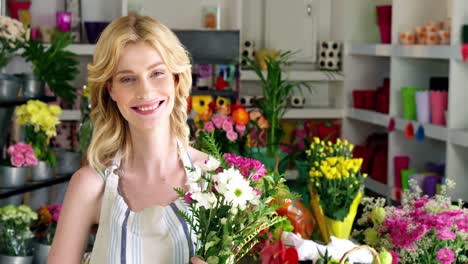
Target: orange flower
240,116
44,215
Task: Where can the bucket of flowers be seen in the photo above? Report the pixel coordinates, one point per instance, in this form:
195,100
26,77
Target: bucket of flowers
40,120
45,230
336,186
13,170
420,230
16,237
230,202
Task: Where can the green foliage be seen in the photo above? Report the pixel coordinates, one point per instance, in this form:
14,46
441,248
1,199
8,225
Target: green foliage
54,65
15,233
40,144
276,91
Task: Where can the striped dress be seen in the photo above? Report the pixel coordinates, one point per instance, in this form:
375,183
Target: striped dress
155,235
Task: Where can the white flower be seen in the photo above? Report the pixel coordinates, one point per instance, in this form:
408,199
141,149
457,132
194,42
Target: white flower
223,178
204,199
223,221
210,164
239,192
194,174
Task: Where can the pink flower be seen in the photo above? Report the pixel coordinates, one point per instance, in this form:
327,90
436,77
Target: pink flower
395,257
227,126
188,198
301,133
462,224
257,192
55,211
17,160
209,127
300,145
218,121
30,159
11,150
445,234
445,255
259,169
231,135
23,147
240,129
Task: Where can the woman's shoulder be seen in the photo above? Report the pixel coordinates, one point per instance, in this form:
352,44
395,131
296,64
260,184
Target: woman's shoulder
197,156
88,180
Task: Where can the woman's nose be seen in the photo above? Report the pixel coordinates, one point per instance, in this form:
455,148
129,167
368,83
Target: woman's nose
144,90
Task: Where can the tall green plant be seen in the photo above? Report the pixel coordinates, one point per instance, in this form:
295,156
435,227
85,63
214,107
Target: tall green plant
54,65
276,91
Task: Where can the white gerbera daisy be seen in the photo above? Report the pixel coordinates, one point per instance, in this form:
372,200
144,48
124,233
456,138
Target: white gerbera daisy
223,178
204,199
210,164
239,192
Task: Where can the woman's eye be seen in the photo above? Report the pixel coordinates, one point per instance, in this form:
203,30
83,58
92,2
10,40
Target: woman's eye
126,79
157,74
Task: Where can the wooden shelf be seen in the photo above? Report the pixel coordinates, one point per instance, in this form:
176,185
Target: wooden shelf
31,186
317,76
383,50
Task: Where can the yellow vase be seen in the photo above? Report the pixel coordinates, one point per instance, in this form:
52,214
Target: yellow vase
329,227
342,229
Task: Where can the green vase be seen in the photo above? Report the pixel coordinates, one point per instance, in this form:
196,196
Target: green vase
269,161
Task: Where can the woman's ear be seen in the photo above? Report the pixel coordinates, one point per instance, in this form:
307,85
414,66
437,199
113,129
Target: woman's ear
109,89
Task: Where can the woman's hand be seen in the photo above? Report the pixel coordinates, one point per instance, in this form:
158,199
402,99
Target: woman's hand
196,260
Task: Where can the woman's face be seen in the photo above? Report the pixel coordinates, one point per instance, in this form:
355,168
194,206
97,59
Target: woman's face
142,87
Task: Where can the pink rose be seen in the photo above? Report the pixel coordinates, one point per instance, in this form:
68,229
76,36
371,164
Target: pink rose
17,160
11,150
209,127
218,121
30,159
23,147
227,126
240,129
231,135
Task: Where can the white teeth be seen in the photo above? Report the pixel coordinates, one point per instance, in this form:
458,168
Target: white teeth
148,108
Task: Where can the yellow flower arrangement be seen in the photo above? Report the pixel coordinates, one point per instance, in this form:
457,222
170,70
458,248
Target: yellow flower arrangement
40,120
335,175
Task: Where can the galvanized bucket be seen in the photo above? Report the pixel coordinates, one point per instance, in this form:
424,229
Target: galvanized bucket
67,161
15,260
41,252
42,171
9,87
33,87
11,177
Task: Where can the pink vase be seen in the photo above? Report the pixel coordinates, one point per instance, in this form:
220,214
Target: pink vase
439,104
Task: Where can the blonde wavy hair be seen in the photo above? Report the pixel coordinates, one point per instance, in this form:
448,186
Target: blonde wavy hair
111,134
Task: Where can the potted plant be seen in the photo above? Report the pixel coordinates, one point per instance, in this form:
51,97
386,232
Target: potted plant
276,90
45,228
14,168
40,120
52,65
16,237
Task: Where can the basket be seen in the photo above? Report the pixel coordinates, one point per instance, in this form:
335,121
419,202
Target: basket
374,253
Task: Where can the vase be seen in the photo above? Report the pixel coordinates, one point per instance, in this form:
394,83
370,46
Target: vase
16,259
269,161
11,177
41,252
42,171
33,87
342,229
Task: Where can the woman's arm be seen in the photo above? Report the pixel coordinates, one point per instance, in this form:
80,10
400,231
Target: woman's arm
80,211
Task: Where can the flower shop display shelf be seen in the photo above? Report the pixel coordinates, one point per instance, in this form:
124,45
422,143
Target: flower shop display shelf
20,101
31,186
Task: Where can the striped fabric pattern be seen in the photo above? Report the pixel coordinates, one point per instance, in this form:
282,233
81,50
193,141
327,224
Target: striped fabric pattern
155,235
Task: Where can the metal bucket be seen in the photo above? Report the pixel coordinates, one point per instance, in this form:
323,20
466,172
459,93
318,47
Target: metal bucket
41,252
40,197
15,260
9,87
67,161
15,200
33,87
42,171
11,177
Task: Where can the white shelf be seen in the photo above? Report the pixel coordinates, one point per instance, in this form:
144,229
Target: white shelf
82,49
70,115
459,137
317,76
427,52
368,116
430,130
376,186
314,113
383,50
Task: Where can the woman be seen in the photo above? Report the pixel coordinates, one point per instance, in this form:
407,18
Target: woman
139,82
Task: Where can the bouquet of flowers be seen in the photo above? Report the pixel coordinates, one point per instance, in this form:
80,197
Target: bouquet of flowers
231,200
15,234
420,230
21,155
41,120
13,35
47,222
336,186
229,130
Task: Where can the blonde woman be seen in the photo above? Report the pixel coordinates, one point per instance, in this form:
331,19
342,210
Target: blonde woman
139,81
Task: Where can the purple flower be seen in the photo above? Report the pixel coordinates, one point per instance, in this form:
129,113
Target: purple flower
188,198
445,234
209,126
445,255
395,257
